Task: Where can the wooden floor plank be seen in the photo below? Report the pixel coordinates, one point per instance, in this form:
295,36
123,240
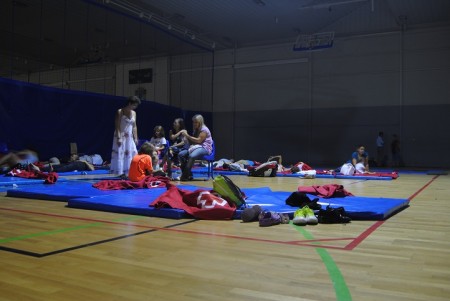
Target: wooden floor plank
403,258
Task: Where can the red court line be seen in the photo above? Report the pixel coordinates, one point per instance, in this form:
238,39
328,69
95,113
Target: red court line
302,242
377,224
356,241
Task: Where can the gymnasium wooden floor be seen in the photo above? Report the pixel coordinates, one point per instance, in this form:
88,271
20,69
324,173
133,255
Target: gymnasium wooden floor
49,252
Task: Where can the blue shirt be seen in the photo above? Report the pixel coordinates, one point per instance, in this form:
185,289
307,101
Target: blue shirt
355,155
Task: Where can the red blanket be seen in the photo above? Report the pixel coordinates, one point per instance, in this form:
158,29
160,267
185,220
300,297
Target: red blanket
49,177
201,203
147,182
325,191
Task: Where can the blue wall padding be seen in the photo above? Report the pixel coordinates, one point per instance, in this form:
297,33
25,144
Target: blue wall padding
82,195
48,119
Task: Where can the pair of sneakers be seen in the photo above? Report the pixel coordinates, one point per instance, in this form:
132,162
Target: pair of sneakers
333,216
304,216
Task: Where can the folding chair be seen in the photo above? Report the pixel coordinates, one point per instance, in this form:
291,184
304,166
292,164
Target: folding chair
210,159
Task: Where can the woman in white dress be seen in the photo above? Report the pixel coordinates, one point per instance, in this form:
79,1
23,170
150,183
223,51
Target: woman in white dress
125,138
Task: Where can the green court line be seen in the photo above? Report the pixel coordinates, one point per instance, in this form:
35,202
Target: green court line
91,225
340,287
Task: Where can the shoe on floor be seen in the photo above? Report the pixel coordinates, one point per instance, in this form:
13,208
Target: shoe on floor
333,216
299,218
284,218
311,219
268,218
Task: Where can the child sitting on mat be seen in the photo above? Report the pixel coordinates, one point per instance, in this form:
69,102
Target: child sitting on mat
142,164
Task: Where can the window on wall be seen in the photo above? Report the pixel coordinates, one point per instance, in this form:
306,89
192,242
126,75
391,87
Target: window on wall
142,76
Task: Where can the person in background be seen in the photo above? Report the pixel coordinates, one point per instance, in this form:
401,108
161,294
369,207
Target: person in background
380,149
55,165
395,151
125,138
201,144
360,159
17,159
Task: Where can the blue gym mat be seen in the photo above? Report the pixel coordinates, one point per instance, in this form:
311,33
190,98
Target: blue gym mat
357,207
82,195
86,172
16,180
201,170
9,182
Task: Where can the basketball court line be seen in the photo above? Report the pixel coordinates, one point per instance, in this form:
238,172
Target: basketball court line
306,243
353,244
337,279
41,255
377,224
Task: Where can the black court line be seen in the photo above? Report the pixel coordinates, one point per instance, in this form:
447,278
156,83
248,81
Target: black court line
41,255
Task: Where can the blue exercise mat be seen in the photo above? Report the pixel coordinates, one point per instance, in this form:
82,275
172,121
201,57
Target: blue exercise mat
199,170
128,203
82,195
357,208
85,172
8,182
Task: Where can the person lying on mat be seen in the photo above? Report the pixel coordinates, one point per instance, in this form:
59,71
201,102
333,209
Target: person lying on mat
201,145
73,165
360,160
142,164
15,159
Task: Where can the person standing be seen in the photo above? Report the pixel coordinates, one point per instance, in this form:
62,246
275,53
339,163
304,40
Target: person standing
380,149
125,138
395,151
